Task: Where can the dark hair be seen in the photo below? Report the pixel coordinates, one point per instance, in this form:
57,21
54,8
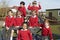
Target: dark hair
17,12
9,11
22,2
34,2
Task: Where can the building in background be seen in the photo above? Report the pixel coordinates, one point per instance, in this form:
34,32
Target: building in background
53,14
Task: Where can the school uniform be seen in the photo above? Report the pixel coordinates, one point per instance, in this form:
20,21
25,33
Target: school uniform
33,25
46,31
9,20
18,21
24,35
34,8
23,10
33,21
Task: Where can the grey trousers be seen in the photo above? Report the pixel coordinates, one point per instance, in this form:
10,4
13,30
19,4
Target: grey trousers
6,34
45,38
34,30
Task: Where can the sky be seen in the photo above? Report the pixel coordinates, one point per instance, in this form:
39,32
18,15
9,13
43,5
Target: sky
45,4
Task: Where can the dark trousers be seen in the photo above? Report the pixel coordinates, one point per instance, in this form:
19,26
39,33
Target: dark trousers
34,32
6,34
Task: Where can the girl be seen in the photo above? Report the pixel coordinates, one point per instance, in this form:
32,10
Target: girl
17,22
24,34
46,31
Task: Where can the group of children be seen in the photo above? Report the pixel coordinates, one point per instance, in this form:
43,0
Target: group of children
26,31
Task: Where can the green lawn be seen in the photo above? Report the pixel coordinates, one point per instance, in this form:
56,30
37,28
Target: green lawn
55,29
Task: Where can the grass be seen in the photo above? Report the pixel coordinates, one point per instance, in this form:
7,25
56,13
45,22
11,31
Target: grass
55,29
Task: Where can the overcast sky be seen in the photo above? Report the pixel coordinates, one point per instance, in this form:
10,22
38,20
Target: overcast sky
45,4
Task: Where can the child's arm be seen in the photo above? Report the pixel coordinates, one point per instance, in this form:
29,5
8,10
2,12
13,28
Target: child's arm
19,35
30,35
29,7
39,6
24,12
50,34
6,23
30,22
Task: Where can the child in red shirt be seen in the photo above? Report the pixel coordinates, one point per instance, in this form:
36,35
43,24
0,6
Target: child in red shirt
34,7
9,22
33,20
24,34
19,20
21,8
33,23
46,31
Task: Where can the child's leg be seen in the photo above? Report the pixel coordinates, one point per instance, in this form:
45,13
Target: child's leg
11,38
3,32
45,38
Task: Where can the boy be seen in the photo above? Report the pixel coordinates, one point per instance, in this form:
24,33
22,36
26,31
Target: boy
24,34
9,21
21,8
34,7
33,20
33,23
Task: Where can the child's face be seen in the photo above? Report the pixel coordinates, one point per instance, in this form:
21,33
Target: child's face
10,13
21,5
24,26
19,13
46,24
34,4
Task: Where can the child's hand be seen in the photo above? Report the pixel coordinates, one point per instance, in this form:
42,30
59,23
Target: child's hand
7,28
17,26
30,27
30,4
40,27
51,39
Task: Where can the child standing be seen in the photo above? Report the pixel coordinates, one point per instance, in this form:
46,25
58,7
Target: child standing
33,23
33,20
21,8
46,31
19,20
9,21
24,34
34,6
17,23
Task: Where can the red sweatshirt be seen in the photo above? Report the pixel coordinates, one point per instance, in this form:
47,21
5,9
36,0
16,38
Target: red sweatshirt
46,31
34,8
33,21
19,21
9,21
23,10
24,35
